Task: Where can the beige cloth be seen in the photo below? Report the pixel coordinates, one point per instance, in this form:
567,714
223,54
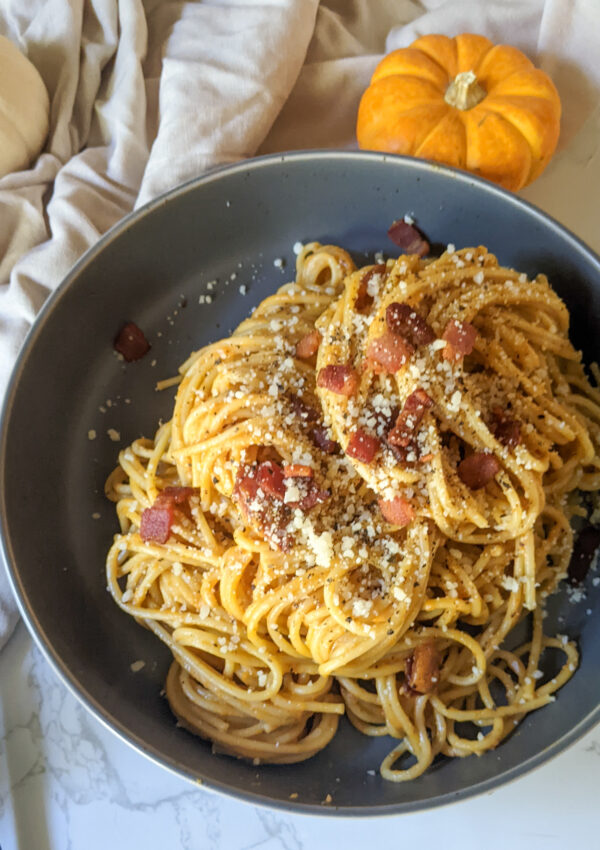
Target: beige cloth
148,94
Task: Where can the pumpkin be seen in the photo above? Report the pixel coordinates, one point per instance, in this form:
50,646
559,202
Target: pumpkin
464,102
24,109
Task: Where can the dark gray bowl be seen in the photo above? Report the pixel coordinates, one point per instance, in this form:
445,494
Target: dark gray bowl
231,225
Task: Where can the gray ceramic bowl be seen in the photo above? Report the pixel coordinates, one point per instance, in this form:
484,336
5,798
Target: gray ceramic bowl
232,226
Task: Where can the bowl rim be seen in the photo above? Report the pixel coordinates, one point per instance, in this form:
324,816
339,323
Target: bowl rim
45,644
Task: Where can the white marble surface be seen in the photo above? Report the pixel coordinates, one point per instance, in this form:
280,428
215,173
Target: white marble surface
66,783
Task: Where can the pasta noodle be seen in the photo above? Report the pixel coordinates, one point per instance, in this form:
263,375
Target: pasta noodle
360,494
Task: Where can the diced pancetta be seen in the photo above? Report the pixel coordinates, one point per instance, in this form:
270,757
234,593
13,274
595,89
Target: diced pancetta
388,353
362,446
131,342
339,378
402,319
407,237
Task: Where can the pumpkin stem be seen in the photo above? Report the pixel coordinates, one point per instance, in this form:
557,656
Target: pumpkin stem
464,92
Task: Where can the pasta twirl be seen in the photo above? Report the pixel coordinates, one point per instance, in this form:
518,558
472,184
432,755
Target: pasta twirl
360,493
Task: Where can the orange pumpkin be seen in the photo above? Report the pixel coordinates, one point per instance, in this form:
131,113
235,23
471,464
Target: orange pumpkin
464,102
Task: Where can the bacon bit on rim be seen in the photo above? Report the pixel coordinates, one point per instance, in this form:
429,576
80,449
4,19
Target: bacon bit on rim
364,301
156,522
339,379
460,338
308,346
408,238
403,320
478,469
506,430
409,418
131,342
422,668
298,470
398,511
269,477
388,353
318,435
362,446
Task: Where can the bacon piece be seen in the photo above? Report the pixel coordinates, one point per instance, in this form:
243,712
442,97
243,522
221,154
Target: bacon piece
308,346
303,411
460,338
422,668
362,446
402,319
407,237
245,487
269,477
398,511
339,379
318,435
478,469
298,470
268,513
388,352
409,418
174,496
406,455
364,301
384,426
506,430
312,497
156,522
131,342
302,478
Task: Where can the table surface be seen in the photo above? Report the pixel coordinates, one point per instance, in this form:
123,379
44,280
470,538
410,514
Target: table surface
66,782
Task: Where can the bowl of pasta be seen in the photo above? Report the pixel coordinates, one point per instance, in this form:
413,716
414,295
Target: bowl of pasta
326,426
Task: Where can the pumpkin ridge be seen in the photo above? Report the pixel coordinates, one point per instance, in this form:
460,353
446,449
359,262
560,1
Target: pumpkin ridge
411,62
410,77
427,43
425,140
465,43
437,62
507,54
506,80
500,117
408,115
538,145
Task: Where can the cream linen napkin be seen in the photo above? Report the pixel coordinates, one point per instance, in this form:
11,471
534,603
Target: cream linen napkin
148,94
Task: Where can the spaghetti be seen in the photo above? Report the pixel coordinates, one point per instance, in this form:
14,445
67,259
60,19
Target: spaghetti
361,492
